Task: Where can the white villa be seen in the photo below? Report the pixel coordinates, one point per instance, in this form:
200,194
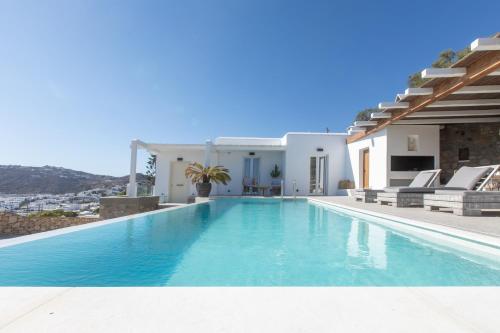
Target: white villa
452,120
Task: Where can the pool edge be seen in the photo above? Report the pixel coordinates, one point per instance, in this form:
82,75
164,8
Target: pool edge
61,231
475,243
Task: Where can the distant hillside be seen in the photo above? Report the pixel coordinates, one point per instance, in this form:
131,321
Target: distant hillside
16,179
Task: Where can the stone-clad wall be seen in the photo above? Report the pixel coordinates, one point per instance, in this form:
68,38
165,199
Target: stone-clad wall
111,207
13,224
483,141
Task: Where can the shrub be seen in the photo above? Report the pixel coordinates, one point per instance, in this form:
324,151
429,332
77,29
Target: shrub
54,213
275,173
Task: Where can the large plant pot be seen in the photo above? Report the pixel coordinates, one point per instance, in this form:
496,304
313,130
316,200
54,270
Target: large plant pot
203,189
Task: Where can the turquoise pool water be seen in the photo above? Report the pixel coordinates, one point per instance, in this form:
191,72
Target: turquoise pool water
240,242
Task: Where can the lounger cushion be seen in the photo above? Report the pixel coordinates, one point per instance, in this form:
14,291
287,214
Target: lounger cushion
422,179
467,177
451,192
409,189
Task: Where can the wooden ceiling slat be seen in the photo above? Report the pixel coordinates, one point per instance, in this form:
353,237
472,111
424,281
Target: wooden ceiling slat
484,65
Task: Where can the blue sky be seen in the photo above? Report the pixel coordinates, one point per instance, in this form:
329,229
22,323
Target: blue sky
80,79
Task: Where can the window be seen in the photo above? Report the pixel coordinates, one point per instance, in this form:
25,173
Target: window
412,163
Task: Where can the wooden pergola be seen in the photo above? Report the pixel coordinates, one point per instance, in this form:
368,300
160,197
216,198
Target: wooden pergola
466,92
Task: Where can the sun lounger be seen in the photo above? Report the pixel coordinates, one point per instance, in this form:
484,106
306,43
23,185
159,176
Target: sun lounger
366,195
422,180
466,202
411,195
465,179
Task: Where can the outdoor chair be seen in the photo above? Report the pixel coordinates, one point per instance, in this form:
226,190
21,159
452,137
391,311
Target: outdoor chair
466,178
468,202
276,186
423,180
248,186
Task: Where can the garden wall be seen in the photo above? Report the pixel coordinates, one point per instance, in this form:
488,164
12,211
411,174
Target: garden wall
13,224
111,207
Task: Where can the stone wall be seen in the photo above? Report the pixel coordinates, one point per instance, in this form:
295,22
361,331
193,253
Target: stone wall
13,224
481,140
111,207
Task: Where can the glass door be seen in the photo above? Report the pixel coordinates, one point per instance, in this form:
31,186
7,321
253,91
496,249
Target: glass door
251,170
318,167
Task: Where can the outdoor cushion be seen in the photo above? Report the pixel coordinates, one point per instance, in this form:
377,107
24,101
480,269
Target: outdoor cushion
467,177
452,192
422,179
409,189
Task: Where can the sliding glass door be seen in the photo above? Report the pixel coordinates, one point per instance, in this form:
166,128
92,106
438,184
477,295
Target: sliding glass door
251,169
318,175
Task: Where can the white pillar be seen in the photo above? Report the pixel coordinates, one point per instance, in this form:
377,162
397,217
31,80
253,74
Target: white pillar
208,152
132,184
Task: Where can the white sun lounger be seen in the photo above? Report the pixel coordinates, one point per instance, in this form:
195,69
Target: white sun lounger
424,179
466,202
411,195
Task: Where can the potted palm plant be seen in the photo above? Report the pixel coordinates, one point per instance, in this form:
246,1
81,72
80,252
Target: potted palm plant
204,176
275,173
275,182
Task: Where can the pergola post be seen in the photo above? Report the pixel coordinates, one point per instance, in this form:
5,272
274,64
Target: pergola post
132,184
208,152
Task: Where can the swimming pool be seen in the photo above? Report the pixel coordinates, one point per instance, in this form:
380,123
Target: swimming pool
242,242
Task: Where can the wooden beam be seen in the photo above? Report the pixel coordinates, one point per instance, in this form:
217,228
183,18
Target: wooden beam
447,121
456,113
478,90
356,129
418,91
485,44
489,89
380,115
392,105
365,123
415,92
431,73
485,65
466,102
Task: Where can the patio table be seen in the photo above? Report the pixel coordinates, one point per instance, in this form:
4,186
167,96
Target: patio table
262,188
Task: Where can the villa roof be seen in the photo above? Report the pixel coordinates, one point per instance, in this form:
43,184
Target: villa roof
466,92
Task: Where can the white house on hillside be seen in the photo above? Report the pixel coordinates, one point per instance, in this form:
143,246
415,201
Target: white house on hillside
452,119
310,164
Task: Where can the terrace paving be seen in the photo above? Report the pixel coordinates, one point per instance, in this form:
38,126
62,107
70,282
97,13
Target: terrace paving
488,224
230,309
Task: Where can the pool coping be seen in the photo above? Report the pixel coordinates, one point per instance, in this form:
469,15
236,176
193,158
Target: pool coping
475,243
56,232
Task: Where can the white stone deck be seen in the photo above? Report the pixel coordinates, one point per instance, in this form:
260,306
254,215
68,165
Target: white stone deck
249,310
488,224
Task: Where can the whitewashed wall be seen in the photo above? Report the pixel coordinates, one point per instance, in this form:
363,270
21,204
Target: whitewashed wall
300,147
163,160
233,160
377,144
428,145
386,143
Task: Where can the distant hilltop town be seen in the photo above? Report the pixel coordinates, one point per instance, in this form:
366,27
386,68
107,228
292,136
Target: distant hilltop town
25,189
